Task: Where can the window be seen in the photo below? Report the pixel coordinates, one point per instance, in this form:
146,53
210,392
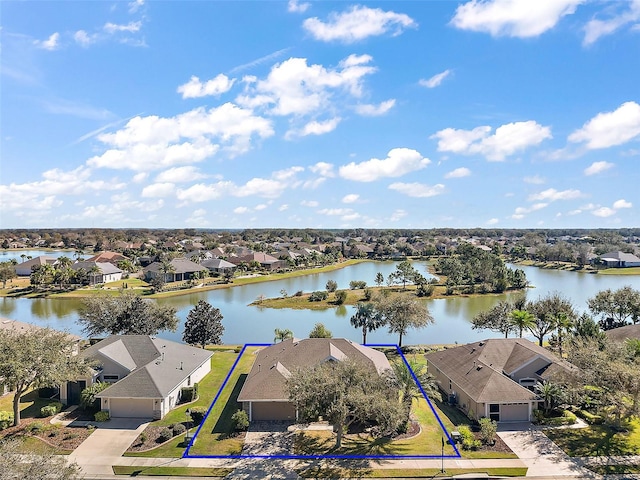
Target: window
494,411
110,378
189,381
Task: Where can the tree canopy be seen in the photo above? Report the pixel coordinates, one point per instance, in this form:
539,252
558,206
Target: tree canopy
616,307
344,393
16,463
203,325
126,314
320,331
367,318
401,312
34,358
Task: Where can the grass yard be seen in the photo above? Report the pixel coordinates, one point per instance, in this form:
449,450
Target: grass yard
615,469
597,440
30,404
213,438
328,472
133,471
620,271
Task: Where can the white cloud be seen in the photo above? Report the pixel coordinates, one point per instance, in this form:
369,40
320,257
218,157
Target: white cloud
130,27
283,207
358,23
368,110
436,80
152,142
135,5
180,175
458,173
194,88
351,198
399,162
609,129
604,212
309,203
520,211
158,190
323,169
335,211
140,177
512,18
622,203
259,61
534,180
551,195
51,43
596,28
398,215
295,88
492,221
83,39
241,210
507,139
418,190
597,167
296,7
260,206
315,128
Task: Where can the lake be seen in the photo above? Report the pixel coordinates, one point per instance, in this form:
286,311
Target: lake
8,255
245,324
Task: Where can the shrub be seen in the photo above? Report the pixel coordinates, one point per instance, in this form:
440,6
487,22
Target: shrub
590,418
331,286
488,429
35,427
142,438
101,416
341,296
357,284
88,395
165,435
240,421
367,294
48,411
178,429
197,415
318,296
187,394
298,293
6,419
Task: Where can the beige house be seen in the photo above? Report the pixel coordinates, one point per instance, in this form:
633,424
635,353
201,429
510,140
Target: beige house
147,374
264,395
495,378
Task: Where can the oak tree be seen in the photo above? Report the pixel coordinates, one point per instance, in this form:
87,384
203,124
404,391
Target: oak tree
203,325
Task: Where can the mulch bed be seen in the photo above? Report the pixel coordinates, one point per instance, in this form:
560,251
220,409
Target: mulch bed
150,436
412,431
63,438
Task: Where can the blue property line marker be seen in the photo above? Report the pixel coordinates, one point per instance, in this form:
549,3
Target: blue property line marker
186,453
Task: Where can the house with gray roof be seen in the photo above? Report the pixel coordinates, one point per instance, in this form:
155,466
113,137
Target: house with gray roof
181,269
147,374
24,269
218,265
495,378
264,394
620,259
98,272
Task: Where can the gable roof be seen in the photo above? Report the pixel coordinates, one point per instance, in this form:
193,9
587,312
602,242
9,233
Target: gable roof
105,267
481,369
274,364
180,265
157,365
619,256
108,257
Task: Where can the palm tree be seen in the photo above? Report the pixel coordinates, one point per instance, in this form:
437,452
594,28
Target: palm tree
550,392
167,269
282,334
412,382
23,256
522,319
367,318
564,324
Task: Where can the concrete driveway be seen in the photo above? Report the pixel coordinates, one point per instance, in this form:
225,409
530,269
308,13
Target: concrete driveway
110,440
542,456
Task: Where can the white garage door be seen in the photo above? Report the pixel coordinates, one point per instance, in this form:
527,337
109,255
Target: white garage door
131,407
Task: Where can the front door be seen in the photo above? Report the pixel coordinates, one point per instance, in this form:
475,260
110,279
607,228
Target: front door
73,391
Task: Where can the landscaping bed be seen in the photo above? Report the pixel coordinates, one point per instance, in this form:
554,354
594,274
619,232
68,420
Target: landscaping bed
62,439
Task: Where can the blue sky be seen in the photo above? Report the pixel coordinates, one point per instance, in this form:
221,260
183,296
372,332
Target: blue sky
250,114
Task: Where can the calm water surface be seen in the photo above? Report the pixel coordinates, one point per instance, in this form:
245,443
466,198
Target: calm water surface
244,324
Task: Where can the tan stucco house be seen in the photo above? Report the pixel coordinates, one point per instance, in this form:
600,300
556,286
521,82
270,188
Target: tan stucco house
147,374
264,395
495,378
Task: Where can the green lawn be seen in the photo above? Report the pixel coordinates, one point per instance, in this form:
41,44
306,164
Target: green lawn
171,471
615,469
597,440
327,472
620,271
214,436
30,404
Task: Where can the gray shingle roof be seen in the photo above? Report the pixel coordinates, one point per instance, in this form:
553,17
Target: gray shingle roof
159,365
272,366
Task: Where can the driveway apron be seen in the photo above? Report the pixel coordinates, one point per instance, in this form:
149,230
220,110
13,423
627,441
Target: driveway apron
538,453
110,440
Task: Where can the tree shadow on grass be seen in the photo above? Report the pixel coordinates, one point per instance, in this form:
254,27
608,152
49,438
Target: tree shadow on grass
224,425
356,444
33,410
598,440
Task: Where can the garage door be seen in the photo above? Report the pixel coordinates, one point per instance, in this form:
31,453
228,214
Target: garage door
131,407
515,412
272,411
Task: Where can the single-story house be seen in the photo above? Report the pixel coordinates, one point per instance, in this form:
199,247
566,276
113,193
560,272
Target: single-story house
495,378
108,257
264,396
147,374
619,259
217,265
182,269
266,261
99,272
24,269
